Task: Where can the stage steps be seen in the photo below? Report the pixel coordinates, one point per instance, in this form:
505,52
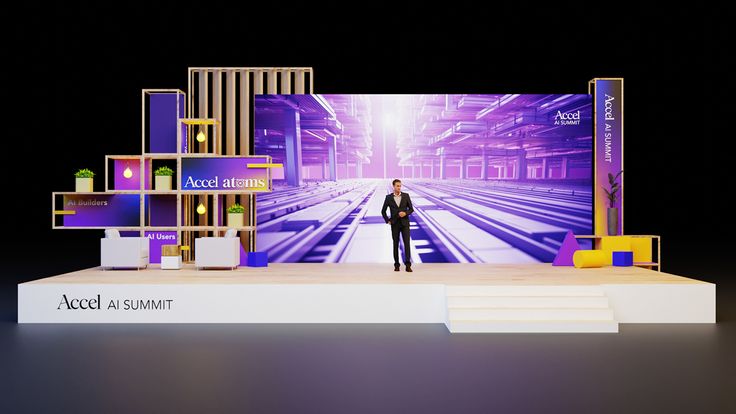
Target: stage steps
528,309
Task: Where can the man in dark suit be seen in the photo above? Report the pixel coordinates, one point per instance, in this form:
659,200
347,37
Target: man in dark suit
399,205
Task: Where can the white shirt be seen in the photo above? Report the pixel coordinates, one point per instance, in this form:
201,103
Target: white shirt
397,199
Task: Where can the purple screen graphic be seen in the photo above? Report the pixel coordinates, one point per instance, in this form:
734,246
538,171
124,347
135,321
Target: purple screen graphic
493,178
106,210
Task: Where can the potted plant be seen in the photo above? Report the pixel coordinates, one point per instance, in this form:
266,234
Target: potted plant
84,180
235,215
612,194
163,178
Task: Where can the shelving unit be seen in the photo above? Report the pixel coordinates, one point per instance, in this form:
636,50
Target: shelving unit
219,101
186,221
649,265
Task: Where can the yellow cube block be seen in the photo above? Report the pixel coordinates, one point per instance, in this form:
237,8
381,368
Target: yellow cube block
612,244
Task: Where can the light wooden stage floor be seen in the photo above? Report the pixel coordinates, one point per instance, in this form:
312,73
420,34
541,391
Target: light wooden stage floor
354,273
465,297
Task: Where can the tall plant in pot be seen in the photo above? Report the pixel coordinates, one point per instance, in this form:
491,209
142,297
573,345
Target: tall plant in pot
163,178
235,215
613,194
84,181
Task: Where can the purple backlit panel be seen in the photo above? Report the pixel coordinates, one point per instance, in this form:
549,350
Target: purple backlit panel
111,210
494,178
161,210
164,111
224,174
184,134
156,239
120,182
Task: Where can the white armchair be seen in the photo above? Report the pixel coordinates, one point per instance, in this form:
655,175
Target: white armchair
123,252
218,251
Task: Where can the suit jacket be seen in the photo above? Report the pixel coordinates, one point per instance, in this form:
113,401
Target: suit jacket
405,206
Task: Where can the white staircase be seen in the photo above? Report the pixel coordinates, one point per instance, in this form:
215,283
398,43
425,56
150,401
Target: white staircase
528,309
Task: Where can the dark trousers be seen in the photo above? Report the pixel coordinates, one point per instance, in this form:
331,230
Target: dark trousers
403,229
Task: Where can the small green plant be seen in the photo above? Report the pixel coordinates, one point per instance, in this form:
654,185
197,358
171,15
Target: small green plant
164,171
236,208
84,173
612,192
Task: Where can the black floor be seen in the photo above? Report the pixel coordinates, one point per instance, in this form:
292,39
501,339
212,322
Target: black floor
367,368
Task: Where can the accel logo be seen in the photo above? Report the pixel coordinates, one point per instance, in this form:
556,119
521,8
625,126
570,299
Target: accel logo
568,115
74,303
567,118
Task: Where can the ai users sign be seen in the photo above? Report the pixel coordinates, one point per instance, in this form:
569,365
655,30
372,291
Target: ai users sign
226,174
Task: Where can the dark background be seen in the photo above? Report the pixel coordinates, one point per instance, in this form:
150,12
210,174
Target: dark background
74,91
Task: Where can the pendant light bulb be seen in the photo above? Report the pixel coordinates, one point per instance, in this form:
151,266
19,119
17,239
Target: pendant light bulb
201,137
201,209
127,173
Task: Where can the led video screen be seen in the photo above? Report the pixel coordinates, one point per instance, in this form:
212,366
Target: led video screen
495,178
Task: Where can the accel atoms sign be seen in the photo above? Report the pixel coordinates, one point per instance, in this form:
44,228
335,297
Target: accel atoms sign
250,174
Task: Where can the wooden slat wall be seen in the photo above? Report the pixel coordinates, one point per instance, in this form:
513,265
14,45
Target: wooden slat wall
231,132
234,136
217,105
244,124
202,112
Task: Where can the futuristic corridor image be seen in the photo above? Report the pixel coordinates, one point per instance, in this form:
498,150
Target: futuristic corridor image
493,178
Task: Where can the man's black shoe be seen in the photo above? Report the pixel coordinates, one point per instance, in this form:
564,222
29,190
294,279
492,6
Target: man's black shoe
408,269
396,268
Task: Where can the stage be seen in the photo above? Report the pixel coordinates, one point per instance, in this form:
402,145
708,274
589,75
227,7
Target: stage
464,297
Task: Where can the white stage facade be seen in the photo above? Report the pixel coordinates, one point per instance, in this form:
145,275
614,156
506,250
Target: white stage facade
464,297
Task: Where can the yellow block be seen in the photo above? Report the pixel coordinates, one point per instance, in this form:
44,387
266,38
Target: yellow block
65,212
590,258
265,165
642,248
612,244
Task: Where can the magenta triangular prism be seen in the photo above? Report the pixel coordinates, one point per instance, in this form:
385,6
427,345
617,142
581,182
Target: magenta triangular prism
569,247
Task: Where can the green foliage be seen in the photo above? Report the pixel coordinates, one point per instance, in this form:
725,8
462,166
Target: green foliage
612,193
236,208
164,171
84,173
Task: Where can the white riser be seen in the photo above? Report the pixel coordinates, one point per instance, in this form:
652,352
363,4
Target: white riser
533,326
527,302
521,290
539,314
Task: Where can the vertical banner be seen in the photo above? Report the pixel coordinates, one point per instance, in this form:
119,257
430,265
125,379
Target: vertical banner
609,149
